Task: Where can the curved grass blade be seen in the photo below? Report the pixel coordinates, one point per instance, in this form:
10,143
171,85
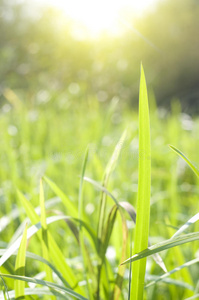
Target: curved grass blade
39,292
55,252
187,238
194,169
88,268
160,278
44,235
46,283
20,266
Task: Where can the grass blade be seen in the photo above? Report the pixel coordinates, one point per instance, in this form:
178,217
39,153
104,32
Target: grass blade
143,202
187,238
71,209
19,286
194,169
44,235
46,283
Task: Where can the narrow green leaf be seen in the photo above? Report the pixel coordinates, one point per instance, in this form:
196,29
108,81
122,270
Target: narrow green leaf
143,201
44,235
19,286
160,278
38,291
194,169
180,240
71,209
46,283
88,269
55,252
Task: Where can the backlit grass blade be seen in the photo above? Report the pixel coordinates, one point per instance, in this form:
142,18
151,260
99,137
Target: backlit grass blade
44,234
194,169
55,252
187,238
109,169
186,225
19,286
46,283
71,208
185,265
143,201
88,274
38,292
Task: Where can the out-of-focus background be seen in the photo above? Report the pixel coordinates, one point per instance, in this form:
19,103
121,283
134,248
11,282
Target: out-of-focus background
86,48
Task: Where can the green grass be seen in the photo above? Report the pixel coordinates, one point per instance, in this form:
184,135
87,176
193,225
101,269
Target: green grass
80,175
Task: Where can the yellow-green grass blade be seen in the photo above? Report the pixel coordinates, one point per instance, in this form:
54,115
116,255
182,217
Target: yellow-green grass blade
118,282
51,285
44,241
191,165
71,208
88,269
38,292
185,265
180,240
55,252
109,169
143,201
44,234
19,286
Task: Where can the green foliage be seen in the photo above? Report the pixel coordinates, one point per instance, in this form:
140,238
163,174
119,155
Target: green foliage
70,258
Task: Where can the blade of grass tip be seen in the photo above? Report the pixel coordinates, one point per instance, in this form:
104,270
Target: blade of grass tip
194,169
87,263
180,240
55,252
19,286
143,201
44,235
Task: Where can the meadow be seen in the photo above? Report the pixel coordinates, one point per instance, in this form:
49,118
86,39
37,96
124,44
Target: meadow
69,191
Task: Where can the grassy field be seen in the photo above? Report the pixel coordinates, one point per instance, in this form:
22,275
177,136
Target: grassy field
73,162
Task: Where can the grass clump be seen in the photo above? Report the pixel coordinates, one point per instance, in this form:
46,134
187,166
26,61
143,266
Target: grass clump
80,237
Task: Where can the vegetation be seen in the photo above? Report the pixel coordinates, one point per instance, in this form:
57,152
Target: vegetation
98,198
79,255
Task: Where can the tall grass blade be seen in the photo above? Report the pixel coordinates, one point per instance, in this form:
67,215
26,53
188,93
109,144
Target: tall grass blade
88,269
44,235
143,202
194,169
19,286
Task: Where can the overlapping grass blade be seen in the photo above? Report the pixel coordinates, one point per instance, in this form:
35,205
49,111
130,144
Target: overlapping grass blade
38,292
191,221
187,238
191,165
185,265
143,202
44,235
51,285
20,266
88,268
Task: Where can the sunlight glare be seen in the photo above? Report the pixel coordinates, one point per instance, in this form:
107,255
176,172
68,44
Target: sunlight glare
100,16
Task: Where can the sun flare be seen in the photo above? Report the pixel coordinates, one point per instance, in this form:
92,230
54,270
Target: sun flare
99,16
